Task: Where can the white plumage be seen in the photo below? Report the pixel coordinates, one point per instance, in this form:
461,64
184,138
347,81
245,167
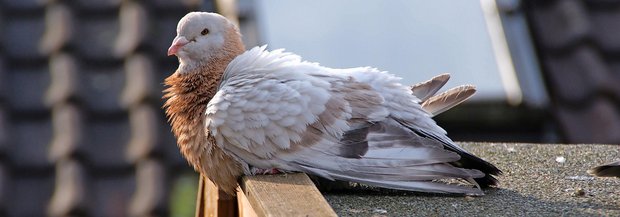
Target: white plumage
273,110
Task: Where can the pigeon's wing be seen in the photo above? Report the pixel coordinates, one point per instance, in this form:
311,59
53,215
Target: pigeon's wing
404,107
263,105
607,170
274,111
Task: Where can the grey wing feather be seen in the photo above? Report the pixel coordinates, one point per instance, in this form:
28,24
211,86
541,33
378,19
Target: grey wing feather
422,186
394,157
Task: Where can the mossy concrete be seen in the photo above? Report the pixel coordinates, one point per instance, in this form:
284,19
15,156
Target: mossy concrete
538,180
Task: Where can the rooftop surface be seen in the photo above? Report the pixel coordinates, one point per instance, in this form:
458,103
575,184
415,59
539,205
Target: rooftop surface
538,180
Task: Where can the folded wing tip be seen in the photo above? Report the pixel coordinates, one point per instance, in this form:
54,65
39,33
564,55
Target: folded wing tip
606,170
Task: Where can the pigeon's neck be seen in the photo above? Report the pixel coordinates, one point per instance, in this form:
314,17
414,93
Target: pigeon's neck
189,91
188,94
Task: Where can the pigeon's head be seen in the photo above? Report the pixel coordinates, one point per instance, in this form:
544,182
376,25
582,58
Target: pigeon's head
202,36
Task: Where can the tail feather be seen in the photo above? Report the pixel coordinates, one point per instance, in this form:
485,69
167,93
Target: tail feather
387,162
469,161
427,89
436,104
425,172
409,185
442,102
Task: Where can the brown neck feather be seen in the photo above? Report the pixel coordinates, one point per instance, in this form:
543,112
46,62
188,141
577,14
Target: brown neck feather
188,93
187,96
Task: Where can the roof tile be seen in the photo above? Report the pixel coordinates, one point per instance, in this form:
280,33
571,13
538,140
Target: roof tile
68,136
26,90
581,65
576,76
101,88
613,89
97,36
561,24
134,23
144,131
166,28
605,29
4,188
58,28
97,5
70,194
111,195
64,79
604,4
29,151
149,198
93,104
105,141
171,151
3,79
29,195
177,5
22,4
3,131
22,37
141,84
598,122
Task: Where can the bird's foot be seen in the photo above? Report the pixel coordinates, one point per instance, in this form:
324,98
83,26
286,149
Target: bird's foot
259,171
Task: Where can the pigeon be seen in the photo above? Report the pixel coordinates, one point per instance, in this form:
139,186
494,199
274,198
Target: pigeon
237,112
607,170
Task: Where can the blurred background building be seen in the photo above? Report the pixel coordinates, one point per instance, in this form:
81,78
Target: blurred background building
82,132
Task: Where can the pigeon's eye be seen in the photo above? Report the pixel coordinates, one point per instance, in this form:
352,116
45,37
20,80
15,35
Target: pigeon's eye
204,31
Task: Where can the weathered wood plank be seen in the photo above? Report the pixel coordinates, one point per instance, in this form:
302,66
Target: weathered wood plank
291,194
244,206
226,204
210,201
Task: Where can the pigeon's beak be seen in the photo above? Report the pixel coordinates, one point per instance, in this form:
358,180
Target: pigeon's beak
177,43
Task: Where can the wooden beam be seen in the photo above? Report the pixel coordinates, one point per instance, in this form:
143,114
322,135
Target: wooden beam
200,201
245,208
210,201
291,194
226,204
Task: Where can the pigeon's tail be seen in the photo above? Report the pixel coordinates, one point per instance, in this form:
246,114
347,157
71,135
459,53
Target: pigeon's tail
387,154
415,182
407,185
607,170
469,161
435,104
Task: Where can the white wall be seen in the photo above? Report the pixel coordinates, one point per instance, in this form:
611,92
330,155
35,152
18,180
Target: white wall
414,39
